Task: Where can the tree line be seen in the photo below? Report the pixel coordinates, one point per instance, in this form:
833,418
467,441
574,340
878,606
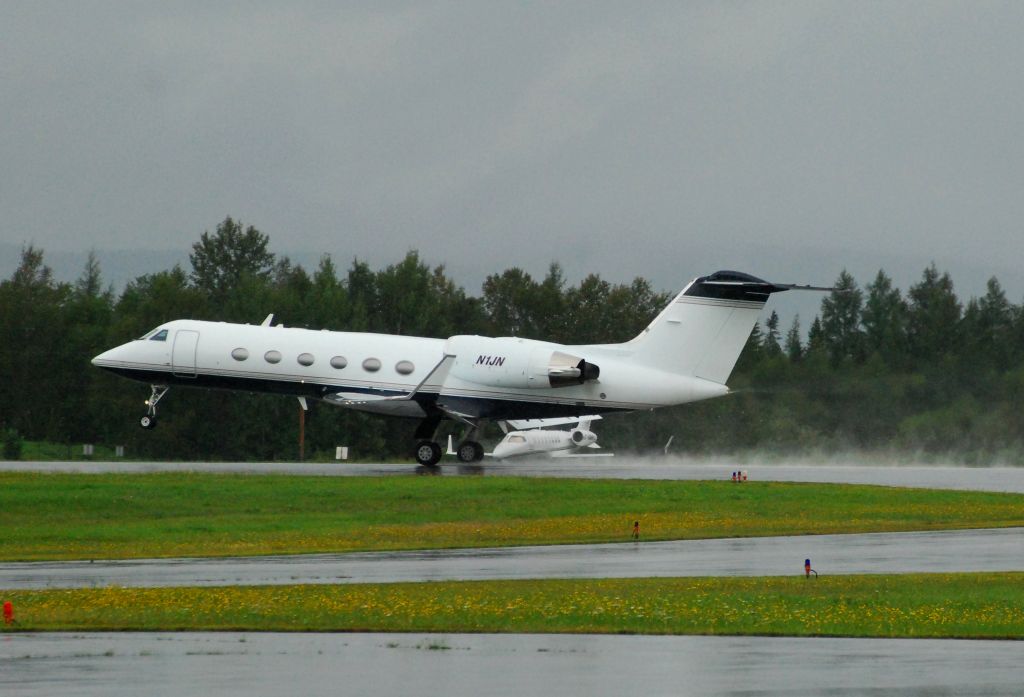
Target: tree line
880,371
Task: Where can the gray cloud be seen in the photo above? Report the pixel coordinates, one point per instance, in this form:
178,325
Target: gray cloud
657,139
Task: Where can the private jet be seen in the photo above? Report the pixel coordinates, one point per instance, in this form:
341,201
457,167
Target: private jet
685,354
536,437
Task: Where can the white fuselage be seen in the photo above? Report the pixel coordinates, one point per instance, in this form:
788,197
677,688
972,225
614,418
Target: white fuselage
481,378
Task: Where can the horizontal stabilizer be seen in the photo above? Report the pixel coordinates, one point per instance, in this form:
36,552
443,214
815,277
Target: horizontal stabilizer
795,286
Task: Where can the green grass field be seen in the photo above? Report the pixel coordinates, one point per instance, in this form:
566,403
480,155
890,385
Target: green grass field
111,516
989,605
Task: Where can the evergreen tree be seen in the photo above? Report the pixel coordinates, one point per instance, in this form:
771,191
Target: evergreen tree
933,317
329,298
815,337
549,306
772,348
794,349
33,324
289,295
885,319
840,321
361,285
988,328
89,313
753,351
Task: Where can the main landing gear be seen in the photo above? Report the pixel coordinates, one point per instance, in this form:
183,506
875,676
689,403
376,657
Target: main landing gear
149,420
428,452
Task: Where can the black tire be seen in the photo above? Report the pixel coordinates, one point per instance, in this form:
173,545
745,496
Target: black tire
470,451
428,453
148,422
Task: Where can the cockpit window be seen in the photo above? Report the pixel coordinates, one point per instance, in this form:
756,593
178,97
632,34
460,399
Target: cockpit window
159,336
516,439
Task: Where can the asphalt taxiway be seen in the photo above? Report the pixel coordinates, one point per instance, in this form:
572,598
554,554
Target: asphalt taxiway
875,553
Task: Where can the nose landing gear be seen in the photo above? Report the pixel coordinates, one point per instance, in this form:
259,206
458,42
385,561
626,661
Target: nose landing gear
149,420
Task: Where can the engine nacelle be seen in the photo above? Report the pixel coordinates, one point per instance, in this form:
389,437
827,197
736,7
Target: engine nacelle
512,362
582,438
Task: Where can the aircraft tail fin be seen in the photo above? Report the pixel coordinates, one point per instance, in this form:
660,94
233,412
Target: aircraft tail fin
703,330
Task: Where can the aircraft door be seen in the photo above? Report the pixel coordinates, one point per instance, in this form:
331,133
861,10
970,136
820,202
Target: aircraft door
183,356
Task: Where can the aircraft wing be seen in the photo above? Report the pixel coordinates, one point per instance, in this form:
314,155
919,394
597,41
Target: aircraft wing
439,372
528,424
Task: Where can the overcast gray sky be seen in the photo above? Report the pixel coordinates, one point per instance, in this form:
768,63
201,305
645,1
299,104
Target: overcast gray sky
666,140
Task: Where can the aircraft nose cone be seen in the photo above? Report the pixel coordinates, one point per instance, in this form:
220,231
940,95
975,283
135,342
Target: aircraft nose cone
98,360
111,357
501,450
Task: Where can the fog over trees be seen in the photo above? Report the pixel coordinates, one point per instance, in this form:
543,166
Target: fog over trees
921,372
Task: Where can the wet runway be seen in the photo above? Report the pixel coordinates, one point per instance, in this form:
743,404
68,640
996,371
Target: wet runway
1009,479
877,553
460,665
229,664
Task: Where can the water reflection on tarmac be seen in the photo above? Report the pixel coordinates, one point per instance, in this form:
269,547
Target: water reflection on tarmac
476,665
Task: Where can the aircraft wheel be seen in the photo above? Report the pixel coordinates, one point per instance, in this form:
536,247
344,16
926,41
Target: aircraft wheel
428,453
148,422
470,451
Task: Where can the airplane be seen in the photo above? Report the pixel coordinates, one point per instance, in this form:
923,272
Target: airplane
532,437
685,354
